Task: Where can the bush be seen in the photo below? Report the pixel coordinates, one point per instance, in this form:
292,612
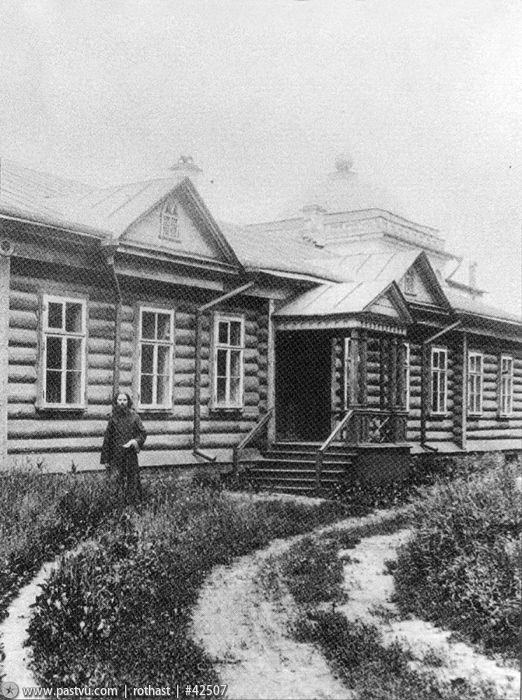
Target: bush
119,613
461,567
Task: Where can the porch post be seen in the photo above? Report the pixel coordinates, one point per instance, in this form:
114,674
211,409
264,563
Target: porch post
6,249
363,368
354,367
392,381
270,373
382,372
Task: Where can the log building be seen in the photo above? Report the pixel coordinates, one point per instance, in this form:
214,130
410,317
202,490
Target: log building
338,333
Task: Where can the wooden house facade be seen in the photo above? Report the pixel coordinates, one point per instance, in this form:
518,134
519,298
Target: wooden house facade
332,332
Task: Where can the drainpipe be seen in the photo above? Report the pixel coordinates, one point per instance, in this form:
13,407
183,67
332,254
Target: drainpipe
425,380
117,318
197,371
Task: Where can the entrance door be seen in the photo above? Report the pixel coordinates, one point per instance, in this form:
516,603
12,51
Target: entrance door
303,386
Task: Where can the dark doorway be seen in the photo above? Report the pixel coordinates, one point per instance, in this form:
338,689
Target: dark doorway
303,385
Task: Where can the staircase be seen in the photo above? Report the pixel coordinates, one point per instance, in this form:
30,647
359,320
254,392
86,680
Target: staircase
289,467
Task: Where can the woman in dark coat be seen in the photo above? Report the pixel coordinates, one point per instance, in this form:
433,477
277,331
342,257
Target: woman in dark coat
124,438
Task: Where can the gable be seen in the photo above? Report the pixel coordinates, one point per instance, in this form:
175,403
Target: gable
420,284
192,237
384,306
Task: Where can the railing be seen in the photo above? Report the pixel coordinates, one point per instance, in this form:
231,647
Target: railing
236,452
319,457
364,426
375,426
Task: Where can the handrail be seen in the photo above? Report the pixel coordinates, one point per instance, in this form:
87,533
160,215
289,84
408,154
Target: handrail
250,436
326,444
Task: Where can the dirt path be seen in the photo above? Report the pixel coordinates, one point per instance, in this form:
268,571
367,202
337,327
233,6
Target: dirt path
13,631
247,634
369,587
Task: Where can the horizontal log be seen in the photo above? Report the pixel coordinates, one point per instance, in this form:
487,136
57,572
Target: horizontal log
23,301
23,337
21,373
21,393
99,394
21,410
494,434
22,356
50,429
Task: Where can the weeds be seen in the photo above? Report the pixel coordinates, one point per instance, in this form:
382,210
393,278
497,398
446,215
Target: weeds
120,613
461,568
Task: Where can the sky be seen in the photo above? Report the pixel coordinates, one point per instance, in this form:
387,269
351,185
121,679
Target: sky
425,97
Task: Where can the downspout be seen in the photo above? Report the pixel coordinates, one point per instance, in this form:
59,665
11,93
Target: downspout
424,380
197,370
117,319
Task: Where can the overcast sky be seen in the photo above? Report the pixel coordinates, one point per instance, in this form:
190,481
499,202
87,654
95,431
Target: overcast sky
425,96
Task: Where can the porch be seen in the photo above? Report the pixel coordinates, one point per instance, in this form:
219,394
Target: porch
339,409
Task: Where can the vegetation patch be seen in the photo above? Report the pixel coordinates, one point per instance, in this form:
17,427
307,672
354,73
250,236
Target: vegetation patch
461,569
41,515
312,572
119,612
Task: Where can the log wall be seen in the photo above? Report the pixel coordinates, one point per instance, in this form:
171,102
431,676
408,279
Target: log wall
61,437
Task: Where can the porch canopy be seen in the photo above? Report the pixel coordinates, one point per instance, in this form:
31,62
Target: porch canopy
339,347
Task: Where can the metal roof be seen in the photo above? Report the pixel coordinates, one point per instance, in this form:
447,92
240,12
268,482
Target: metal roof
334,299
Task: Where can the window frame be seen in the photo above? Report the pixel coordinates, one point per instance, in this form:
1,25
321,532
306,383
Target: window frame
216,346
169,221
410,283
169,404
511,384
62,333
477,409
440,411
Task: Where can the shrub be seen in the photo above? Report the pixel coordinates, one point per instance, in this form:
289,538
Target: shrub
461,567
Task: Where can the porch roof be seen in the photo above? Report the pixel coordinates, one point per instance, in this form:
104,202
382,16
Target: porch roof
348,300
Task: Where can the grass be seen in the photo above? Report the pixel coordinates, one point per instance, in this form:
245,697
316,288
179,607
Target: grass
461,569
120,611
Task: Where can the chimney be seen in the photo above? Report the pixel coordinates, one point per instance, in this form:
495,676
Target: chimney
473,275
314,225
186,167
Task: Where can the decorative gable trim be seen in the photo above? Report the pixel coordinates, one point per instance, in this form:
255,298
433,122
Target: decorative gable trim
397,302
186,194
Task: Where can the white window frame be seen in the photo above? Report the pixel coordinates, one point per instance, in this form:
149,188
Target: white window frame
405,369
475,382
228,404
442,373
62,333
169,221
154,405
506,387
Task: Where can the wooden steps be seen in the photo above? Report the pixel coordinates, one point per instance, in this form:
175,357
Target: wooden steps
289,467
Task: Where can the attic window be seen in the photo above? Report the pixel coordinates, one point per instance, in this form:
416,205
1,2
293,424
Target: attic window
169,222
409,282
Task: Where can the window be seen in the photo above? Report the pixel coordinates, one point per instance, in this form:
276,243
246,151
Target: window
409,282
439,380
228,361
169,221
506,385
475,382
405,370
64,327
156,339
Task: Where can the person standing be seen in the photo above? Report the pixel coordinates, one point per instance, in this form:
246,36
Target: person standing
124,437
